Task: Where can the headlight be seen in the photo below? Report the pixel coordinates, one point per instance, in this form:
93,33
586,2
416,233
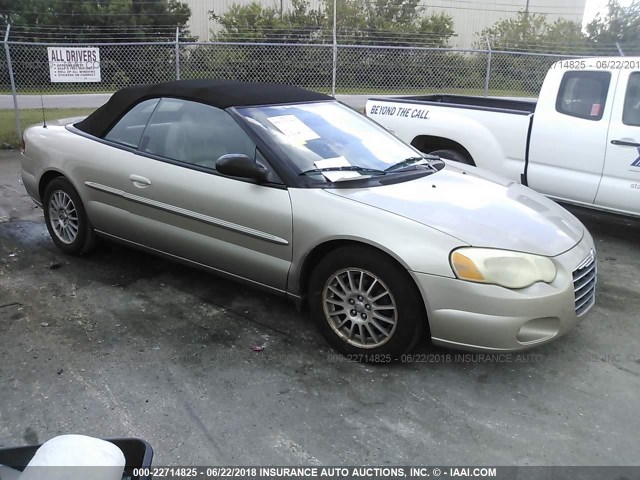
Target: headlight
501,267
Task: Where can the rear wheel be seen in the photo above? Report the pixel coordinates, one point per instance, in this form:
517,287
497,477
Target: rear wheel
66,218
452,155
365,304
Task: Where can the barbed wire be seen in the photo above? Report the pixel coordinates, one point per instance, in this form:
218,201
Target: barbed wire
314,34
96,33
96,27
90,14
346,40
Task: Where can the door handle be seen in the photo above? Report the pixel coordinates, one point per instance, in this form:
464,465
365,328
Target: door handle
624,143
140,182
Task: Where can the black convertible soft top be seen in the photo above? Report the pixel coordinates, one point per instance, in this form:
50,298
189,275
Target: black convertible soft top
218,93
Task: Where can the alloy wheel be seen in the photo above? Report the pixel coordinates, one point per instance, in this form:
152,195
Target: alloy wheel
63,217
360,308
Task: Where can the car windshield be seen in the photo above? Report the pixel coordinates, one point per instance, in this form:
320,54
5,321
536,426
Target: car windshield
330,142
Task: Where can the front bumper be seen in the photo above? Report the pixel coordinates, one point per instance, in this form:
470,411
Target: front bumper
474,316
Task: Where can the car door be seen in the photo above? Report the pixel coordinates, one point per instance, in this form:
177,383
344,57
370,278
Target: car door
620,186
183,207
569,136
99,176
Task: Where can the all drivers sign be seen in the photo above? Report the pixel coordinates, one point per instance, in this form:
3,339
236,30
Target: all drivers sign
74,64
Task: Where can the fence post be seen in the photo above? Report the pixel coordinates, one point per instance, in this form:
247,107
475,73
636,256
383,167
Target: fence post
335,49
488,74
177,50
16,111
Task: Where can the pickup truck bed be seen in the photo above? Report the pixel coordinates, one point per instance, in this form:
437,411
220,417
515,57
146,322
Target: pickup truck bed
487,132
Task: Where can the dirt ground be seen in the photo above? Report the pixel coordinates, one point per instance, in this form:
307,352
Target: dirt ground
123,344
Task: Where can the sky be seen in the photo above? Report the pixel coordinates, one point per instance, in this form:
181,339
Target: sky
593,7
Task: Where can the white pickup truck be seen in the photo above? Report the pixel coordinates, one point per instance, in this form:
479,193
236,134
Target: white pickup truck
578,143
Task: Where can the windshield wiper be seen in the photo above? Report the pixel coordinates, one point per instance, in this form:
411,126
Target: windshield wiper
413,162
350,168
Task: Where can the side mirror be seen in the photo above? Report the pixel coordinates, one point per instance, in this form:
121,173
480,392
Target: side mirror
240,165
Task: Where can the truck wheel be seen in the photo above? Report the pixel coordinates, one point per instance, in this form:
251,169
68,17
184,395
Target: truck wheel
453,155
66,218
366,305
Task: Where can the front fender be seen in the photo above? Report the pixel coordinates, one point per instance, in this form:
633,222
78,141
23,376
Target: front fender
319,217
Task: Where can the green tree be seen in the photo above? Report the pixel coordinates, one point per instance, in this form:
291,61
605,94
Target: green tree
620,24
565,32
391,23
96,21
109,20
532,32
438,25
528,32
360,22
255,22
398,22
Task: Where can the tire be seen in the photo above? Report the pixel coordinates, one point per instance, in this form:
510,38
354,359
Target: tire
66,218
402,309
453,155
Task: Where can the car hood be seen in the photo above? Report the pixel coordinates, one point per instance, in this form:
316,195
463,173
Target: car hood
478,208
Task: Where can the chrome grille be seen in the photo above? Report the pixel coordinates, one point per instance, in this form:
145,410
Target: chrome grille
584,284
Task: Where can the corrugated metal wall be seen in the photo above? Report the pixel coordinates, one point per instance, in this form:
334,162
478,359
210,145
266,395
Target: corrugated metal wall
470,16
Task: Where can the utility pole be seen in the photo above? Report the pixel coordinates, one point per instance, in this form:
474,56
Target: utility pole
526,20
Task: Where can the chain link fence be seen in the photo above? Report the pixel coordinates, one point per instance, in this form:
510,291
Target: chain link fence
357,70
304,65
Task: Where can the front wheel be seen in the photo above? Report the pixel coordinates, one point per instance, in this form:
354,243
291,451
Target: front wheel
365,304
66,218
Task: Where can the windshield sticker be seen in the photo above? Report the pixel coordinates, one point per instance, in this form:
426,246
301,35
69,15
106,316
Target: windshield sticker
293,128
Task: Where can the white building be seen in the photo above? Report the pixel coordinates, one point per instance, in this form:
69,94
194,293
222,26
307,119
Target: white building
469,16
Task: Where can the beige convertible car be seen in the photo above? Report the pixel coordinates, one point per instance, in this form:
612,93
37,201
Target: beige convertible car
292,191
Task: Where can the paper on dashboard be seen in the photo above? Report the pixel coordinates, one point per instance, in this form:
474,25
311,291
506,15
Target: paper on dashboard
293,128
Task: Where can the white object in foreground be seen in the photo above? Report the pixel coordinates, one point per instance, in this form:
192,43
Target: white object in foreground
75,457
